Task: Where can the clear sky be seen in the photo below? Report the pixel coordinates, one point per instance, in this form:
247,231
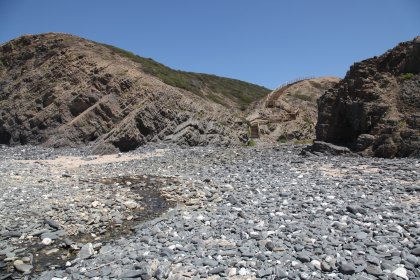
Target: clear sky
267,42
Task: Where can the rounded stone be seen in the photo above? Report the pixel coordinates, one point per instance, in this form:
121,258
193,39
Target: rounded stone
374,270
347,268
416,251
46,241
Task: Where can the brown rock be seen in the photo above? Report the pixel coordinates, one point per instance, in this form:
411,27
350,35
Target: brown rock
62,90
290,112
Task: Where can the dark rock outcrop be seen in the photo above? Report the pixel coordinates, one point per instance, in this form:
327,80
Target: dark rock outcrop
325,148
375,109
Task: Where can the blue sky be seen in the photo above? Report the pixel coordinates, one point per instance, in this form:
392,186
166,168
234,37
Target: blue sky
267,42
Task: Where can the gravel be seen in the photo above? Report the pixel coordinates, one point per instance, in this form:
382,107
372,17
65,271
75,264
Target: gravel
166,212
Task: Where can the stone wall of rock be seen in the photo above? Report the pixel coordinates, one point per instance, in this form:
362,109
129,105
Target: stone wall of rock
61,90
375,109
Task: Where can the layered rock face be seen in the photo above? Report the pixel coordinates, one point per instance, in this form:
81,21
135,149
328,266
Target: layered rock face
290,112
375,109
61,90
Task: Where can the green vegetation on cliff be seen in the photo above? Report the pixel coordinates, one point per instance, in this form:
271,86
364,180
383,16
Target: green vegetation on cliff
241,92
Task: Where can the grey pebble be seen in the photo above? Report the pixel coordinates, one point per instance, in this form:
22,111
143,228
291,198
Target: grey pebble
86,251
210,262
374,270
131,274
416,251
347,268
217,270
24,268
303,257
52,223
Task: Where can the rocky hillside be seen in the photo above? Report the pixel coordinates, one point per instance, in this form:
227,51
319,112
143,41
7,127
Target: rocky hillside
62,90
289,113
375,109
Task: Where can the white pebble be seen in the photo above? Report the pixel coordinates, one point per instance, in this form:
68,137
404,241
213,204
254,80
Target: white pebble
316,264
131,204
232,271
401,272
243,271
95,204
46,241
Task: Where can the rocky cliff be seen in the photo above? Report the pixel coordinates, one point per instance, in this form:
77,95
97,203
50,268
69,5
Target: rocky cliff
61,90
375,109
289,113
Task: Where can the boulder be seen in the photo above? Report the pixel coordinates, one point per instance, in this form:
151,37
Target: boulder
326,148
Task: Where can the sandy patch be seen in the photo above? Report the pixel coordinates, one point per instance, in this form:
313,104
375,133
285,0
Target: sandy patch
329,171
74,162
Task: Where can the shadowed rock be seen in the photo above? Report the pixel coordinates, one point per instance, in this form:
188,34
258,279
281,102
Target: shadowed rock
375,109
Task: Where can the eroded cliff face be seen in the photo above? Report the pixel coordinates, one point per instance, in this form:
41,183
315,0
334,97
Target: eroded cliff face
375,109
289,113
61,90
